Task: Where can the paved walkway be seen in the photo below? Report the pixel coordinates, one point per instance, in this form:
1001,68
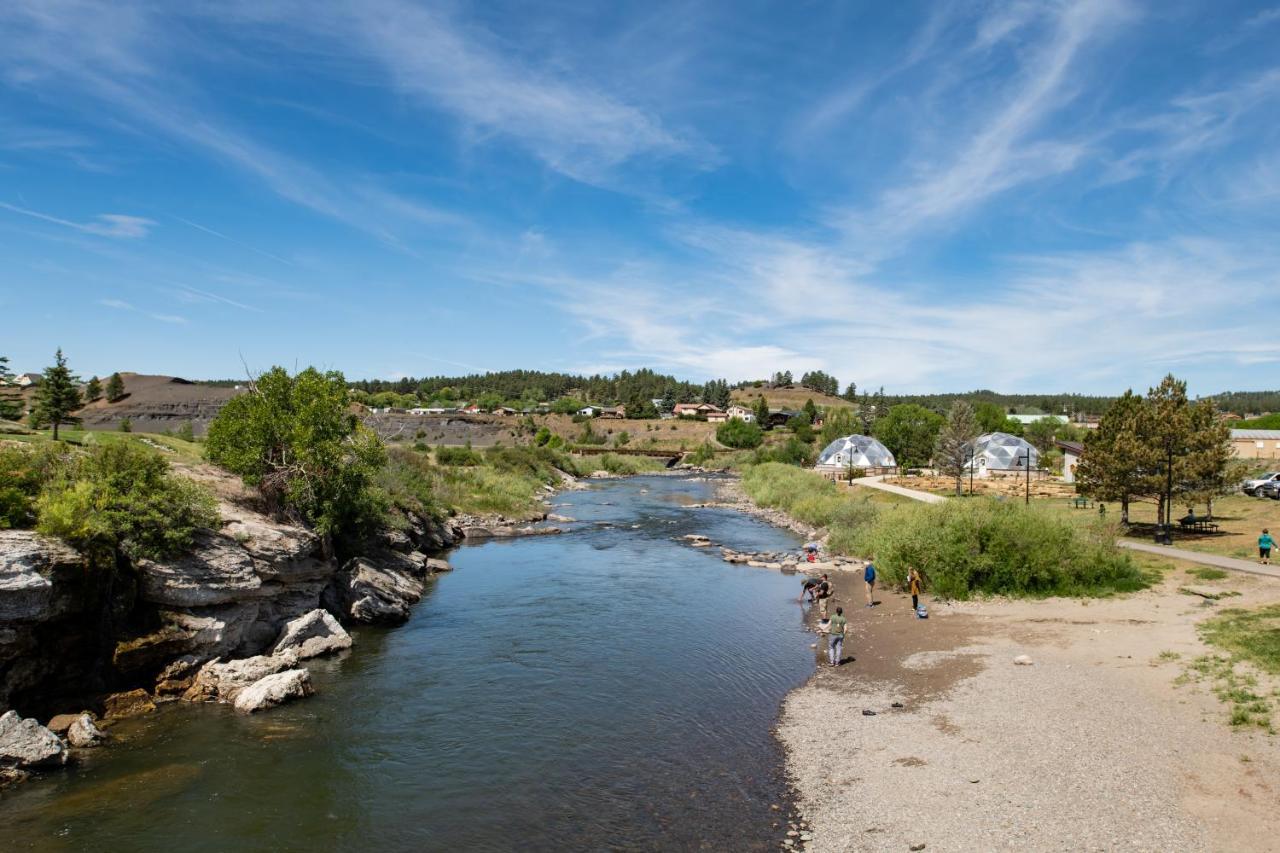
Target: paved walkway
914,494
1216,560
1230,563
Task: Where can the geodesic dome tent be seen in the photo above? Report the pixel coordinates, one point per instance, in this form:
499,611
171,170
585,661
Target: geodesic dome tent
1001,453
855,451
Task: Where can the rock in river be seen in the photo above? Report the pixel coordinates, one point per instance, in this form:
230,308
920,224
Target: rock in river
312,634
26,743
84,734
225,681
274,690
129,704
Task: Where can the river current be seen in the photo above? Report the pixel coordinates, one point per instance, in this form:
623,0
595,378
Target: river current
607,689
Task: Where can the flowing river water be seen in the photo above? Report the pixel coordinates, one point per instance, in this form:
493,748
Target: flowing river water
610,688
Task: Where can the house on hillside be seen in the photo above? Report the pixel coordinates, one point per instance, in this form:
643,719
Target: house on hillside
1071,453
741,413
505,411
780,417
695,410
473,409
717,417
589,411
998,454
24,380
1256,443
858,452
613,412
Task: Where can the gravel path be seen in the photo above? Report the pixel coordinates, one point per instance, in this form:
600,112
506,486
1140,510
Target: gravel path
1089,747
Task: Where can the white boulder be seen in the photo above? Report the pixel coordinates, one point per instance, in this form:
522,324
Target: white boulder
84,734
312,634
274,690
26,743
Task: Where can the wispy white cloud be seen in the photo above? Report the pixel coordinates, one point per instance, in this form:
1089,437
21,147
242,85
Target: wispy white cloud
103,225
121,305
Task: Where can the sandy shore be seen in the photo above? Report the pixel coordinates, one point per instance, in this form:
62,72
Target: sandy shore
1091,747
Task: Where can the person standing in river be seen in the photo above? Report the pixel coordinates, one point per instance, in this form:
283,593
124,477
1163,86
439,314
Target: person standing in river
835,637
824,592
869,577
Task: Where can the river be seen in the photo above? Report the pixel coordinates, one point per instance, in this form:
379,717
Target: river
610,688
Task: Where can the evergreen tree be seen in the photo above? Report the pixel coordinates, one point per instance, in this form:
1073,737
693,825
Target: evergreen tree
1207,470
93,391
668,399
10,394
810,411
851,393
115,388
1116,465
58,395
953,452
762,412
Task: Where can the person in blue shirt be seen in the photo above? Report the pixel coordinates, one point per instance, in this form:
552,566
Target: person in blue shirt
869,576
1265,544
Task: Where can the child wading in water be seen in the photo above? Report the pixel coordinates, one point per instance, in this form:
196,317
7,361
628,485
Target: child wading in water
1265,544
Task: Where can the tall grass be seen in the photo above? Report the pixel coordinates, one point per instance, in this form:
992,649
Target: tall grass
616,463
963,547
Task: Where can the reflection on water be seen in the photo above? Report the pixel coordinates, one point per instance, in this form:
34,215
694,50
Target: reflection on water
605,689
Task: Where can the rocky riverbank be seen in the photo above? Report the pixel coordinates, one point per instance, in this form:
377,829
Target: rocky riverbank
107,642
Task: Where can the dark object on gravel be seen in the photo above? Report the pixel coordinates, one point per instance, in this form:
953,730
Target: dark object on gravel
868,713
896,705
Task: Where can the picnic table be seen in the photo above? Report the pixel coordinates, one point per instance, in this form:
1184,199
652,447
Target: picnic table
1081,502
1200,525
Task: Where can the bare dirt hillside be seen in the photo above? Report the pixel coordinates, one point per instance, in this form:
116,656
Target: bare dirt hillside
157,403
787,397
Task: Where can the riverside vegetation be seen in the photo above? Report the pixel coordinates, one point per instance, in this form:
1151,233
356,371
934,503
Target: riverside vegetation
963,548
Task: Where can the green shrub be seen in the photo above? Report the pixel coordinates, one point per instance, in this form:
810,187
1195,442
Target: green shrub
23,473
542,437
793,451
736,432
126,425
701,455
616,463
810,499
457,456
123,496
995,547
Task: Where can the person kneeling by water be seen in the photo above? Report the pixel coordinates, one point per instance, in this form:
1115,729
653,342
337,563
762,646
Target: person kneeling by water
835,637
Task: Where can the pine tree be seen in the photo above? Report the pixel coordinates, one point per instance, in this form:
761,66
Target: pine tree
58,395
10,395
851,393
762,412
953,451
93,391
115,388
1116,465
810,411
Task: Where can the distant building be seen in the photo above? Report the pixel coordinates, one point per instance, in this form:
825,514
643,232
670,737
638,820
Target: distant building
695,410
505,411
473,409
25,379
1071,453
742,413
858,452
589,411
613,412
1256,443
998,454
1030,419
717,417
780,417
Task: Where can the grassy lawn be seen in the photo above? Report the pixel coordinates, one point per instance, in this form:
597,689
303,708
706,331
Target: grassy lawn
1249,641
188,451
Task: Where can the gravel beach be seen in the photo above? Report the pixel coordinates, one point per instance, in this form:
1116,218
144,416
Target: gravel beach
1089,746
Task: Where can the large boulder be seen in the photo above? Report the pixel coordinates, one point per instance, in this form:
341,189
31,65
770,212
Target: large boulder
26,743
378,592
83,734
223,682
273,690
217,571
312,634
30,565
132,703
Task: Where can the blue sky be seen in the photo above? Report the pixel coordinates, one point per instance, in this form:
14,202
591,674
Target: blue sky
931,196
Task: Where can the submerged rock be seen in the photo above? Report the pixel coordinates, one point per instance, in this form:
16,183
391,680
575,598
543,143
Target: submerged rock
26,743
312,634
274,690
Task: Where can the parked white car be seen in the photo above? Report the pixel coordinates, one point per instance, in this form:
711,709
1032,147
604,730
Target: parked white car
1250,487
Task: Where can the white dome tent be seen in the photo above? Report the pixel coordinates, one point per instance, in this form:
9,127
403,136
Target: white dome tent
855,451
1000,454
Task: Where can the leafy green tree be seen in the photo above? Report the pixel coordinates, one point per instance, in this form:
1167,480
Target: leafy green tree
641,409
910,432
1165,428
953,450
1209,468
58,395
295,439
802,428
837,424
93,391
737,433
115,388
10,395
1041,433
1117,466
992,418
810,410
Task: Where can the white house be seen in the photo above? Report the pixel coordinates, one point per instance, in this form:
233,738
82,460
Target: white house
1030,419
589,411
742,413
1071,453
25,379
